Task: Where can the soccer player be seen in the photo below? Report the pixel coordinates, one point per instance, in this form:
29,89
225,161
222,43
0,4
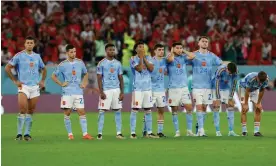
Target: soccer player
253,86
202,80
29,65
224,86
71,70
141,67
158,86
111,85
178,93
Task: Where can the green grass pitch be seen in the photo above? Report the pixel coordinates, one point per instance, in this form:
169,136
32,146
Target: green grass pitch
51,147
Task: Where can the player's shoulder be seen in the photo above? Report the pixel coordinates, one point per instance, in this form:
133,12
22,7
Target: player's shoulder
133,57
79,60
211,53
101,62
62,63
117,62
20,53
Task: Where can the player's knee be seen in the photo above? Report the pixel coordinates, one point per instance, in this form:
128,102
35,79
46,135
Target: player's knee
258,111
216,109
244,111
199,108
189,108
161,111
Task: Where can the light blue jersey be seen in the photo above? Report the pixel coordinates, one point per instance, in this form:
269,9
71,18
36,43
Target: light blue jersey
141,80
177,72
72,73
250,81
110,69
28,67
157,75
202,69
222,80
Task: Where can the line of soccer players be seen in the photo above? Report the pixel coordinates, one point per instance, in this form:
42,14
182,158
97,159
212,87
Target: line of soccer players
148,88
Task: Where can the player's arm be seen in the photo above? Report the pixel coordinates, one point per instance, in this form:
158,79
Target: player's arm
261,94
190,55
217,82
170,57
233,87
121,80
55,77
247,92
12,63
99,80
148,64
8,69
84,81
43,72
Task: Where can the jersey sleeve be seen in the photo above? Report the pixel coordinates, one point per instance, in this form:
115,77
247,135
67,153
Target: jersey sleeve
100,69
133,62
233,86
120,70
217,81
265,84
57,70
216,60
41,65
249,82
14,61
150,60
83,69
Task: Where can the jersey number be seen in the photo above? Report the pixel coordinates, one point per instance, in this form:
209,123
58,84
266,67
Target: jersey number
81,100
210,97
111,77
203,70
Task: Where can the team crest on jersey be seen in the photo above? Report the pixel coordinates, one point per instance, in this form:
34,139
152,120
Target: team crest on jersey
111,70
73,72
160,70
203,63
178,65
63,102
31,64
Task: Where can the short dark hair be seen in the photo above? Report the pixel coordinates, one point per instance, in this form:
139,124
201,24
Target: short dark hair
203,37
176,44
158,46
109,45
262,76
69,47
232,67
137,44
30,38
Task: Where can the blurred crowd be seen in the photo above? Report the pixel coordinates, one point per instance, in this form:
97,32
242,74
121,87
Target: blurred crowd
241,32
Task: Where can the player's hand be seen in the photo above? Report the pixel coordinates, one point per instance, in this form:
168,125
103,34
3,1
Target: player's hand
259,106
172,53
121,97
245,106
41,84
64,84
83,85
141,53
18,83
231,103
103,96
